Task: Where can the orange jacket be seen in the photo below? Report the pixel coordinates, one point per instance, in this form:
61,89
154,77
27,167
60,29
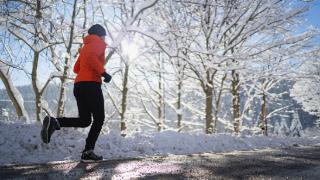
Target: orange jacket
89,65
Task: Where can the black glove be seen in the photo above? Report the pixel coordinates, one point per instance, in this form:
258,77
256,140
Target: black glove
107,77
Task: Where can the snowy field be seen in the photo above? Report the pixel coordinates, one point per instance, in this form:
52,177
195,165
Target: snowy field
21,143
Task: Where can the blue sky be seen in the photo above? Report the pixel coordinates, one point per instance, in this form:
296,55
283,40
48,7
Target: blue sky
313,15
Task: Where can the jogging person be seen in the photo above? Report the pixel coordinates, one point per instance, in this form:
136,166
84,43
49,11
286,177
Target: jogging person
89,68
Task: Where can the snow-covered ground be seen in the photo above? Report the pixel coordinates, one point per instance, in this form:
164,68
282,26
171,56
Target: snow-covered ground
21,143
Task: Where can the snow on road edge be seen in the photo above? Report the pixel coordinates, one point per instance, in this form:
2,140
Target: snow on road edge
21,143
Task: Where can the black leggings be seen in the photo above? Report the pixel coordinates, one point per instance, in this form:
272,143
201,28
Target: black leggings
90,101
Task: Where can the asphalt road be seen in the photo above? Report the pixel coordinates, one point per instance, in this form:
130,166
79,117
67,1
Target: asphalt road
287,163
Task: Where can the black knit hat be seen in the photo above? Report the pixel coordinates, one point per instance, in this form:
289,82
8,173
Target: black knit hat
97,29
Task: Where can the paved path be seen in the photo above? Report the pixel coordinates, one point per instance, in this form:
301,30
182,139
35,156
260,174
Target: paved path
287,163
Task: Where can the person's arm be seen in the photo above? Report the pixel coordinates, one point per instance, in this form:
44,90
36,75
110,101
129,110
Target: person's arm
92,61
104,59
76,67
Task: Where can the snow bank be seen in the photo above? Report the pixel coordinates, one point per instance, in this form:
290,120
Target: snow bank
21,143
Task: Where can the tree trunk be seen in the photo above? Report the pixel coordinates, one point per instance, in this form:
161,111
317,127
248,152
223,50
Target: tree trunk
263,115
179,114
217,103
62,94
236,101
208,110
160,101
123,126
13,92
35,85
36,55
160,108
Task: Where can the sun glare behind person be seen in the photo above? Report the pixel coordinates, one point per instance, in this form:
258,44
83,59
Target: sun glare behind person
129,50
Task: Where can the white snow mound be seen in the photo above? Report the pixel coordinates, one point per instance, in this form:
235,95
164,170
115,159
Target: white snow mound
21,144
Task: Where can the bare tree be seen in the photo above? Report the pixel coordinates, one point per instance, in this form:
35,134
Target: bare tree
27,25
130,15
67,60
13,92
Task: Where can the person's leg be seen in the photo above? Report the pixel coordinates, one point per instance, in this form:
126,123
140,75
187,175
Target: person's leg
82,95
97,109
